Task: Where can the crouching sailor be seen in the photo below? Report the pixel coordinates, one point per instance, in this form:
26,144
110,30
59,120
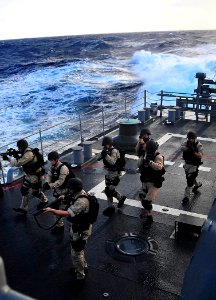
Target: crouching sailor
152,171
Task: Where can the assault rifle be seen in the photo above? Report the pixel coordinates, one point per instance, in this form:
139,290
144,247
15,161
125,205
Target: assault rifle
55,204
11,152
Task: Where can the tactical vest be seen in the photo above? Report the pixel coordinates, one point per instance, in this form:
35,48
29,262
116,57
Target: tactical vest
190,158
81,221
30,167
148,174
107,165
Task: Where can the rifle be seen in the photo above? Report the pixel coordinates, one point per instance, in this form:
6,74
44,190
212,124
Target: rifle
55,204
11,152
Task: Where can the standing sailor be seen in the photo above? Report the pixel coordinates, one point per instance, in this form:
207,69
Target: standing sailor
110,156
192,155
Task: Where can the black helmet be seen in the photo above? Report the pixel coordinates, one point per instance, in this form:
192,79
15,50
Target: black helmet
23,144
53,155
107,140
191,135
75,184
151,146
145,131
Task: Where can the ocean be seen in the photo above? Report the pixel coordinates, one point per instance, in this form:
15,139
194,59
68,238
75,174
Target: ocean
47,80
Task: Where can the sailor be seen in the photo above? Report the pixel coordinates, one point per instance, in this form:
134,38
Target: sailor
152,171
192,155
56,180
81,229
141,145
33,176
110,155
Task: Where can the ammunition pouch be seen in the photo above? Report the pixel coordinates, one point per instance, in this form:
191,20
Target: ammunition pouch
158,182
115,181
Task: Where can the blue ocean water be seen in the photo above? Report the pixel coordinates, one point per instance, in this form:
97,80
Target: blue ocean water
46,80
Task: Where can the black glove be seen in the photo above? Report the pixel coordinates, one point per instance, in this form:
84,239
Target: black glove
104,153
4,156
46,186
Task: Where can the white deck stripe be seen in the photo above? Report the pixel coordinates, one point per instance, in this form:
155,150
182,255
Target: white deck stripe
98,192
205,169
199,138
164,138
169,163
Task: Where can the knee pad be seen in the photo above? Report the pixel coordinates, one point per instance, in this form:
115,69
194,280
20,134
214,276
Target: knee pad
147,204
78,245
24,191
109,191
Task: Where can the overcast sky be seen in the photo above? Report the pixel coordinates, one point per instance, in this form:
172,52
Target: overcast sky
41,18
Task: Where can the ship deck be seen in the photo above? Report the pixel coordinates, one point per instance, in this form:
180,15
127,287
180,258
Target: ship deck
37,262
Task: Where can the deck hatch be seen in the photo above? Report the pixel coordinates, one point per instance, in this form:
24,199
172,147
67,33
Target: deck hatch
131,244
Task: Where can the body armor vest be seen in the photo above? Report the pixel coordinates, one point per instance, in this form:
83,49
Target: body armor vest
148,174
189,156
107,165
30,167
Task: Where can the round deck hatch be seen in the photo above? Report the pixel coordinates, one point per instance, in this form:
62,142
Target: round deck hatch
132,245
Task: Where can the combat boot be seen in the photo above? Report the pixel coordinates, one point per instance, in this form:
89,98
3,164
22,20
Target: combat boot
147,223
121,201
185,200
195,188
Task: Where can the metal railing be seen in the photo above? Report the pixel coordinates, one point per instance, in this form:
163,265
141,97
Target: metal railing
64,135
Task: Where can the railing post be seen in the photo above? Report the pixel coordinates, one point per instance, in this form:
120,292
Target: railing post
40,136
161,102
81,136
126,110
103,124
2,173
145,99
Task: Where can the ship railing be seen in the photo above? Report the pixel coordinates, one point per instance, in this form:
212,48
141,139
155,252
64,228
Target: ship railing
66,134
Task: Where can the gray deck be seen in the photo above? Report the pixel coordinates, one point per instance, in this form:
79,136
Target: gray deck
37,262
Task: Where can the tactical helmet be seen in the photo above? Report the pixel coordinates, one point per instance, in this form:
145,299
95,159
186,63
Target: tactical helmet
23,144
151,146
107,140
145,131
191,135
53,155
75,184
